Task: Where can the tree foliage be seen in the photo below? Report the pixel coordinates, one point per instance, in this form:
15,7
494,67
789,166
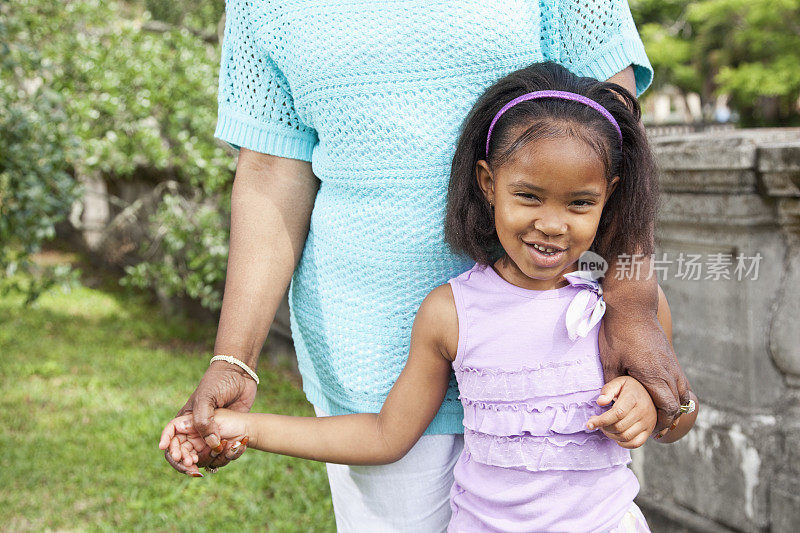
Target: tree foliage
120,90
747,49
36,151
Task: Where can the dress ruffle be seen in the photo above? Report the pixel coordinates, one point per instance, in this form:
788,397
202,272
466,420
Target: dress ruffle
531,418
548,379
580,451
534,417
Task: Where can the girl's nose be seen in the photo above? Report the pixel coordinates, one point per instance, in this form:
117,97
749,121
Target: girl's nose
550,225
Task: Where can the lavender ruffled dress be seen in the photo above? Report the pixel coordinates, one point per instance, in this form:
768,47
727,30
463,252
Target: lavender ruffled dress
529,372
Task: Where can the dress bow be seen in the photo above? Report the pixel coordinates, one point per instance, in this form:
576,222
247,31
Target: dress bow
587,307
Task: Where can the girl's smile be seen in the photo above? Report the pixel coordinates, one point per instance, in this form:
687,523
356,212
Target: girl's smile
547,200
543,258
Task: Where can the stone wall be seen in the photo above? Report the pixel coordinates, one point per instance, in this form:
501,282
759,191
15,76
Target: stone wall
731,195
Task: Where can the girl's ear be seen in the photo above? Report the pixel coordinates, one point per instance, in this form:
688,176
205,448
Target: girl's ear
485,180
611,186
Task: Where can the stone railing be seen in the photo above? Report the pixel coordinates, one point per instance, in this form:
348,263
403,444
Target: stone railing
731,201
670,130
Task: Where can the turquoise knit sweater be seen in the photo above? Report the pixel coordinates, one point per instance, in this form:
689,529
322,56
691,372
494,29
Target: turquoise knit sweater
372,93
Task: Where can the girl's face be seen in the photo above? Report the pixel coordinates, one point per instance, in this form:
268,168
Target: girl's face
549,195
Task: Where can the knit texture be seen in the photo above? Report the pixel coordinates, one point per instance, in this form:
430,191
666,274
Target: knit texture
372,93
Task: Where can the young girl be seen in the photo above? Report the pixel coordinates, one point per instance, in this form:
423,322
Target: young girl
548,166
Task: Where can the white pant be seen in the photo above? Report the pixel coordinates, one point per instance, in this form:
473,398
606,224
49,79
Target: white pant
412,494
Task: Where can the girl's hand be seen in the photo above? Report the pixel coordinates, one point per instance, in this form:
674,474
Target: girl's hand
187,447
632,418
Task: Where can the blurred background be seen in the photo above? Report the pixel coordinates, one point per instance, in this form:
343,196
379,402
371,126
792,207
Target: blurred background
114,211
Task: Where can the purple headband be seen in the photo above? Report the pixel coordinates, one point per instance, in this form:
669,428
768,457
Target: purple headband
552,94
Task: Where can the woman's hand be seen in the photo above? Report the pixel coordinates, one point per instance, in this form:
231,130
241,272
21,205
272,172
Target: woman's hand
223,385
632,418
185,446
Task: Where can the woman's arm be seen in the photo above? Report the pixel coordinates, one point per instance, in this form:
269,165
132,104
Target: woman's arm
626,78
632,417
631,341
271,206
368,439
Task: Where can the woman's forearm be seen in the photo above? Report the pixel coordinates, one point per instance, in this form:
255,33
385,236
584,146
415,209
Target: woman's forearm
349,439
634,342
631,288
271,206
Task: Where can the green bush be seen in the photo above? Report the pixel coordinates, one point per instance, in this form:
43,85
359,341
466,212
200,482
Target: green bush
96,88
37,149
188,252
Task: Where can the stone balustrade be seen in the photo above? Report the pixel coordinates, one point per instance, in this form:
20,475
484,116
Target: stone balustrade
734,195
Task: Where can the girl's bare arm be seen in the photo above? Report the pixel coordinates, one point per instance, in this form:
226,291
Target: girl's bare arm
369,439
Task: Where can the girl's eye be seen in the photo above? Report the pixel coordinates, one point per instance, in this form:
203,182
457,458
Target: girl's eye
582,203
526,196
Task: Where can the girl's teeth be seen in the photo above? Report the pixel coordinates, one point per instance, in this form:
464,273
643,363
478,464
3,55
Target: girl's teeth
546,250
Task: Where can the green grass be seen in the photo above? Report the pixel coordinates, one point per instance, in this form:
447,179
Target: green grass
87,381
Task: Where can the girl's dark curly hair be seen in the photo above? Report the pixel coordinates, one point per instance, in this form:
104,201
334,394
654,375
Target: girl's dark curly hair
627,223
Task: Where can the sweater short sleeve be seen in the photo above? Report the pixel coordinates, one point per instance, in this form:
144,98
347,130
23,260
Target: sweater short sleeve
255,105
596,38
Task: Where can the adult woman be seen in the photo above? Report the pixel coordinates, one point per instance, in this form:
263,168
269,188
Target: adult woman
373,93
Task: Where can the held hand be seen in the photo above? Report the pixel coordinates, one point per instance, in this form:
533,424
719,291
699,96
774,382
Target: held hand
223,385
639,347
633,416
181,440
